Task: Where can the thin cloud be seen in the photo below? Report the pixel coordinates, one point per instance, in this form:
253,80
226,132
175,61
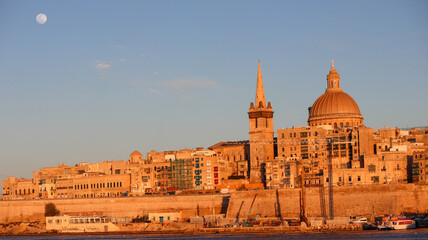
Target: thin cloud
122,59
154,91
156,73
102,65
184,87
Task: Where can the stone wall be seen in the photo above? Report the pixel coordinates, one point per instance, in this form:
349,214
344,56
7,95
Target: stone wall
369,201
190,205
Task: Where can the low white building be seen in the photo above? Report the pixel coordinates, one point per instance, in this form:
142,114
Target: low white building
165,217
80,224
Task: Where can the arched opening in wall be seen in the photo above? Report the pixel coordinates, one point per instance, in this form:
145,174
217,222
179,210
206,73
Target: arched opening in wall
347,124
341,124
256,123
335,125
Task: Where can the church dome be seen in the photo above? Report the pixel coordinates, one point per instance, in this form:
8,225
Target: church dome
335,107
136,153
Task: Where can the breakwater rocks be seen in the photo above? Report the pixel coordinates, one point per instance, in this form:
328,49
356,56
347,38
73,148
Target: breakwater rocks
36,228
277,229
26,228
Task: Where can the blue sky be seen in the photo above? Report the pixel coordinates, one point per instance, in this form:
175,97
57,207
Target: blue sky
101,79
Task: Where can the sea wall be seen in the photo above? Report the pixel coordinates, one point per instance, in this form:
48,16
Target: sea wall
189,205
369,201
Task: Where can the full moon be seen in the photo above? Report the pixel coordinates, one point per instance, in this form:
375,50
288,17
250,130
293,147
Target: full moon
41,18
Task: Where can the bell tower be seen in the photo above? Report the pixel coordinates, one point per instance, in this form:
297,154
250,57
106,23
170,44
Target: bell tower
261,132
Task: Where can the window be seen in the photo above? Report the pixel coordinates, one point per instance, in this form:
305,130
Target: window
303,134
350,178
340,179
372,168
117,171
359,178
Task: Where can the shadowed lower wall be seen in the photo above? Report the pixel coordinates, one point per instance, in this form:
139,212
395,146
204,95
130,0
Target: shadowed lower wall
370,200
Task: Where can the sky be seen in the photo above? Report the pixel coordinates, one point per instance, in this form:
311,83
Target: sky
101,79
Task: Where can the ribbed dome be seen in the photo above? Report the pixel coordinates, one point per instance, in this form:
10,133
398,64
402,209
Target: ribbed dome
334,103
335,107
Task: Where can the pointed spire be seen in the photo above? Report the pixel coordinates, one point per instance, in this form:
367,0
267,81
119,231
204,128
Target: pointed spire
332,64
260,92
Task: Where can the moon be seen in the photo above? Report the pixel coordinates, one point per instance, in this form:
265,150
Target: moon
41,18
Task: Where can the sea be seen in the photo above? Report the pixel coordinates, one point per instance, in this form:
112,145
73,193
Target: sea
374,234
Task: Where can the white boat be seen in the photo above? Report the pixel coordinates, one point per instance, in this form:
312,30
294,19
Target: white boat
396,223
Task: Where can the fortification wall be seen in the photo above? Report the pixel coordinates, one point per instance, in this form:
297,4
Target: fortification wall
190,205
368,200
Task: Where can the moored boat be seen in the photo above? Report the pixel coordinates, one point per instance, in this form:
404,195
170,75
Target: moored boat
396,223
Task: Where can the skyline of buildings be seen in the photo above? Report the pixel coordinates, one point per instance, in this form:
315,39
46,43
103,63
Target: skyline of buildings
335,141
96,87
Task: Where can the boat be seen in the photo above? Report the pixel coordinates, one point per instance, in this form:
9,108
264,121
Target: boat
396,223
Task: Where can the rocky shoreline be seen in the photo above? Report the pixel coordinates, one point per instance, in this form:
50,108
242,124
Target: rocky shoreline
38,228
